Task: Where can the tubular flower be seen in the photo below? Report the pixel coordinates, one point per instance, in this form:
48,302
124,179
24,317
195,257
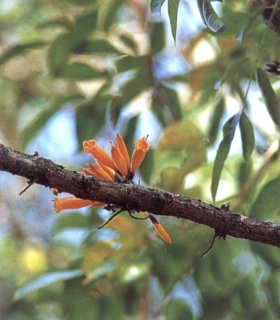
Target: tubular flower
119,160
160,230
111,173
123,149
90,146
98,172
117,168
73,203
141,148
106,168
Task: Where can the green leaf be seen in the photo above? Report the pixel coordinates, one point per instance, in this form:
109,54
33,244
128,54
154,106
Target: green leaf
187,143
115,109
178,309
62,47
156,5
215,120
229,128
46,280
82,71
267,207
126,63
237,21
147,167
36,125
212,20
250,295
269,96
70,220
268,253
129,132
38,122
140,82
173,6
64,22
171,179
181,78
85,24
108,13
209,16
171,100
81,2
247,135
157,37
267,203
159,111
20,49
97,46
222,153
211,75
129,42
244,172
181,135
273,283
59,53
90,119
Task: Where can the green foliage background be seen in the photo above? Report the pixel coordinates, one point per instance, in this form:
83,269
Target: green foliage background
107,62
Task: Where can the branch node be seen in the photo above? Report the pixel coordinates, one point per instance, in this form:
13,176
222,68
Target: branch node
226,206
218,234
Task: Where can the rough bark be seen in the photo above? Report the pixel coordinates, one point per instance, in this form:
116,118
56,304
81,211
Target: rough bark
133,197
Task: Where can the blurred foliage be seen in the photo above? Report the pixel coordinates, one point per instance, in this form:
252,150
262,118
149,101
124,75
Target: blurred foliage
191,74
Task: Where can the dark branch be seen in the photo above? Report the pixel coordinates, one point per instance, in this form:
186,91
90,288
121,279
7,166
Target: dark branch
136,198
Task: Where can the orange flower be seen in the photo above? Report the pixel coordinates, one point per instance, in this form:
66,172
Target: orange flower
119,160
95,171
90,146
109,168
141,148
123,149
73,203
111,173
160,230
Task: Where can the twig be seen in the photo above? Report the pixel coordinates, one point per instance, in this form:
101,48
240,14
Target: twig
110,219
131,197
217,234
29,184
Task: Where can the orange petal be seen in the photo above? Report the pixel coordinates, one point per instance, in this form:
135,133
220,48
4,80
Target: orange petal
160,230
123,149
119,160
97,204
98,172
90,146
88,171
109,171
70,203
141,148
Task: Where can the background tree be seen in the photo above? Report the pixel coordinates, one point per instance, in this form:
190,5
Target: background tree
191,75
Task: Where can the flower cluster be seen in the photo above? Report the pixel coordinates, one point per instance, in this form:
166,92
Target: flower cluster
117,167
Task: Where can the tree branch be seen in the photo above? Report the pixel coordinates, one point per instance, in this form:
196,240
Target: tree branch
137,198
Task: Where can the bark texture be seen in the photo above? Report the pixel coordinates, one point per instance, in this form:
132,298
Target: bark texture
133,197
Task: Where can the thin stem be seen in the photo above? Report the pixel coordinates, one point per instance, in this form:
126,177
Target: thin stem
110,219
